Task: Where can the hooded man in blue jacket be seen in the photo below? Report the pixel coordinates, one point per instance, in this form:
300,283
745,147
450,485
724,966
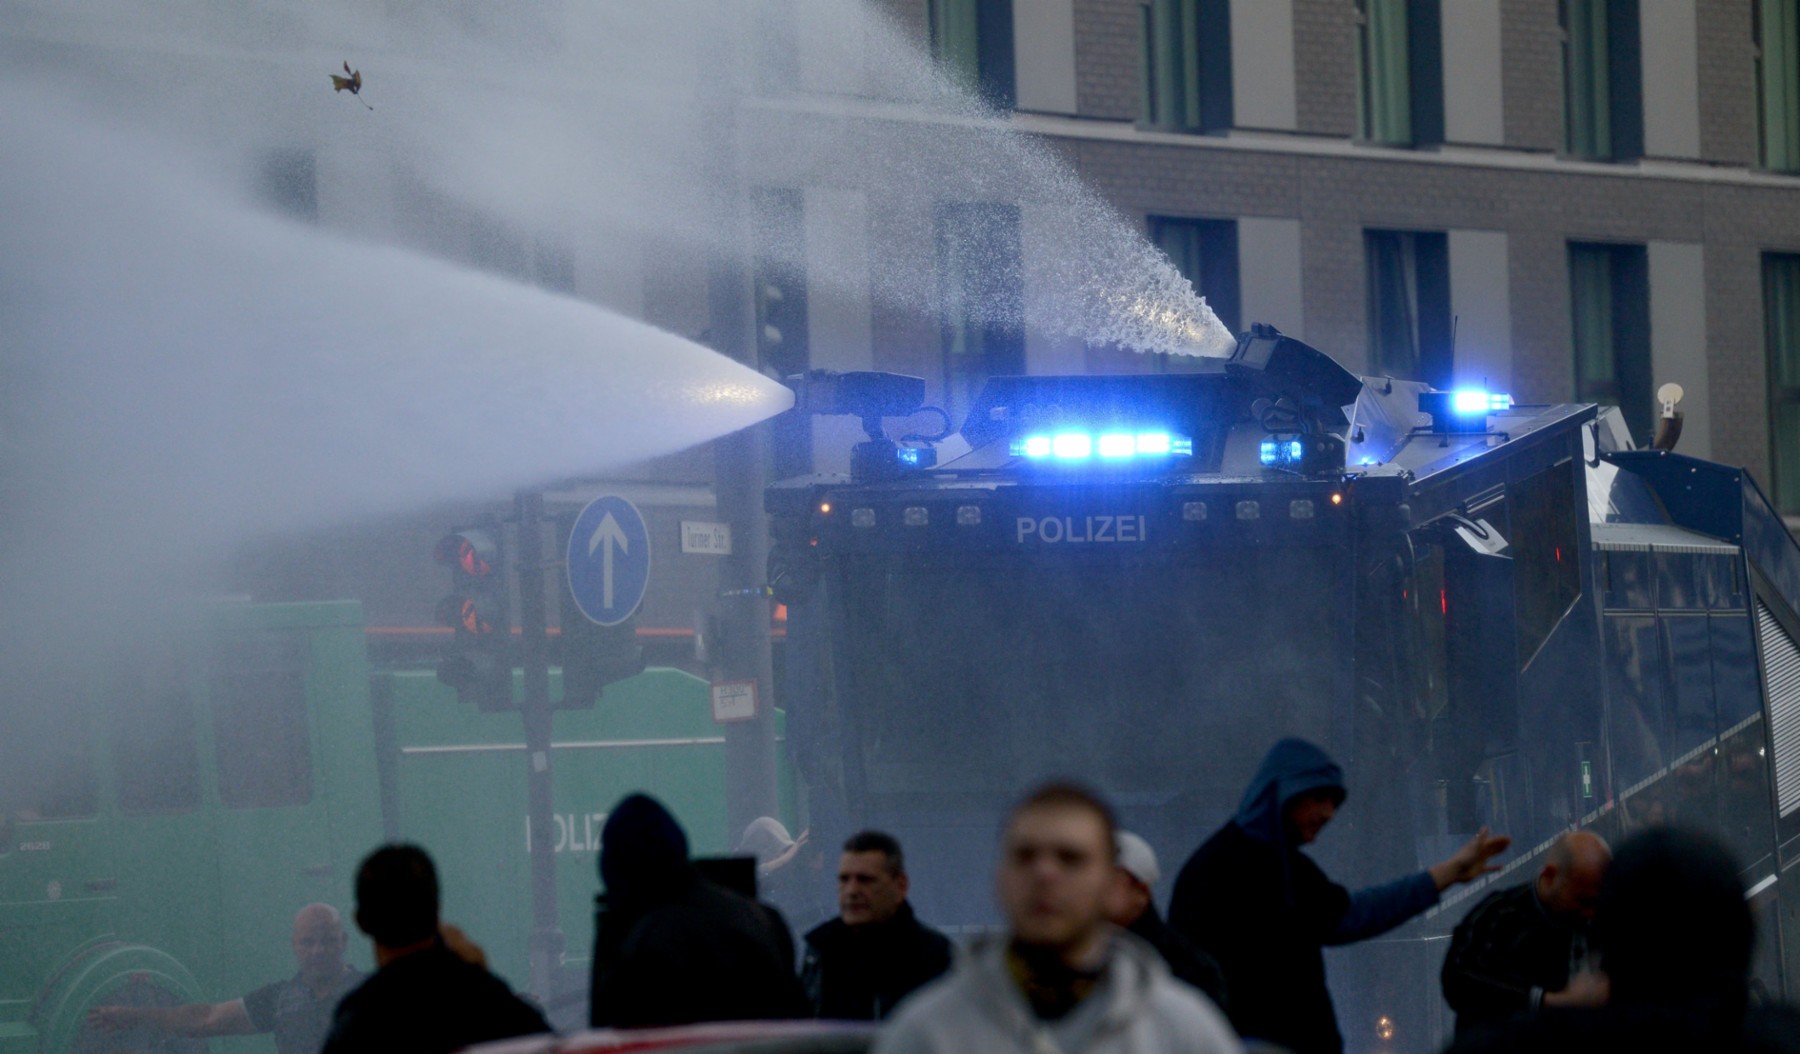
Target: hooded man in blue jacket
1264,910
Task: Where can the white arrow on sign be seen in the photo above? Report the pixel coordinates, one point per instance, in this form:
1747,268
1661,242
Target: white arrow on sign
609,534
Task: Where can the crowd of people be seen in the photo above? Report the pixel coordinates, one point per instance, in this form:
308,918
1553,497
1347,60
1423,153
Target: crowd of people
1645,949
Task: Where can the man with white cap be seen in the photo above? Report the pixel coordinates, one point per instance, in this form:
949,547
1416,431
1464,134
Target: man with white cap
1132,905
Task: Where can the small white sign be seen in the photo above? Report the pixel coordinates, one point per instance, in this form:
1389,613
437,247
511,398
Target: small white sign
698,536
734,701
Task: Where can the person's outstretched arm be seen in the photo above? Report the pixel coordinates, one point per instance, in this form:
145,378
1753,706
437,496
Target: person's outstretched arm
190,1019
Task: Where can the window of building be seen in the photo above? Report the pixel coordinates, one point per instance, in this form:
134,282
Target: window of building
1609,303
1409,305
260,732
972,40
1603,93
1186,65
981,291
1400,71
1206,254
1778,84
1781,328
779,284
156,764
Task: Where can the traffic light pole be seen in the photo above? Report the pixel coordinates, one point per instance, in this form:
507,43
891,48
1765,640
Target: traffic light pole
534,630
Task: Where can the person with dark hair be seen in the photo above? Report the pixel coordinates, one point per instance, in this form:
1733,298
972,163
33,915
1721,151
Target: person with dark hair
423,996
860,965
1525,947
1675,935
1259,906
1133,906
670,947
1061,978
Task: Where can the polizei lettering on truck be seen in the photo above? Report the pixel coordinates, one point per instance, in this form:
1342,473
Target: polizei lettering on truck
1053,530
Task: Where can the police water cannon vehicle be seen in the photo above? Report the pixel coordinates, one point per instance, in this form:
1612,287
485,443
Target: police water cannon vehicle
1490,613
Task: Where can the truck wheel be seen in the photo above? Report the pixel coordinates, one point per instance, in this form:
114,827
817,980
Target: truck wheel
112,973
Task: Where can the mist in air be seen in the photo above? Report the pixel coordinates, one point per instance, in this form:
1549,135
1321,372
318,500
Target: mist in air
186,368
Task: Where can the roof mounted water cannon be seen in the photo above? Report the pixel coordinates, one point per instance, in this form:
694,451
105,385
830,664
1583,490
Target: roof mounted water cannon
871,395
1296,371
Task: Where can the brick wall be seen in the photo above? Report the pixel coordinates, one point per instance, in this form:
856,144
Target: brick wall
1727,82
1325,66
1531,73
1108,53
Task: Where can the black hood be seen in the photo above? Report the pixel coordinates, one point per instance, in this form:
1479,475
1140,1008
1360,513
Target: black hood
643,851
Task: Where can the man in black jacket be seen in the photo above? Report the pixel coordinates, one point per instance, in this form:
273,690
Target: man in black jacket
1675,937
670,947
1525,947
1264,910
876,952
423,997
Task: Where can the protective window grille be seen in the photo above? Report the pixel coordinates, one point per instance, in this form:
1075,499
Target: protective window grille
1781,682
1781,335
1186,65
1409,305
1778,84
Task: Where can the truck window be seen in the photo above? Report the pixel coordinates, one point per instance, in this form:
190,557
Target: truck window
1546,556
46,751
259,721
154,757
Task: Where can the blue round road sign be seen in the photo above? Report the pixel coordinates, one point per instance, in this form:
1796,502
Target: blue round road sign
609,560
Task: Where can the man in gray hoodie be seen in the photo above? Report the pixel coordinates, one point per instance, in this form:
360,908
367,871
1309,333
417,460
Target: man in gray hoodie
1061,980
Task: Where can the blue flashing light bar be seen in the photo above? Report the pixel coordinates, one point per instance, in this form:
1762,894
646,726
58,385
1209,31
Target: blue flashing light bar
1477,401
1113,445
1281,451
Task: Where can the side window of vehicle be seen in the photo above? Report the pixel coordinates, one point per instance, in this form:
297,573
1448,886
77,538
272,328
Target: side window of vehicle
46,750
154,756
260,728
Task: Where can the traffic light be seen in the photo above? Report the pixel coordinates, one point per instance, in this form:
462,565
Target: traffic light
479,662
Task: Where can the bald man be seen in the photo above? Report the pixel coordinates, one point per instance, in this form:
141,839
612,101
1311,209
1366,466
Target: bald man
1525,947
297,1010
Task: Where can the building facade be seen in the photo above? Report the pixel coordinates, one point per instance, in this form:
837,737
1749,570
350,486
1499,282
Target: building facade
1566,200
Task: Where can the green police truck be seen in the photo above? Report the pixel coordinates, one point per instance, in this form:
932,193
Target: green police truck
162,820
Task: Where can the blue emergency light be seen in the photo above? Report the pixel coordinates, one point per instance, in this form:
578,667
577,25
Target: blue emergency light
1282,451
1113,445
1477,401
1464,410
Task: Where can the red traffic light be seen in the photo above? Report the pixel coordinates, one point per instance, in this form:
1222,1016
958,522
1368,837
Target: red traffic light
464,614
471,552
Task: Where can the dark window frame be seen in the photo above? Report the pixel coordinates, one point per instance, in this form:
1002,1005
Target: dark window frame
1184,65
1628,382
1602,33
985,64
1423,311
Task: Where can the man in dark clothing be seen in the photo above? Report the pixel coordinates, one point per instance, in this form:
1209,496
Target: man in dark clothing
1133,907
876,952
1525,947
671,948
423,996
1264,910
1675,936
297,1011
